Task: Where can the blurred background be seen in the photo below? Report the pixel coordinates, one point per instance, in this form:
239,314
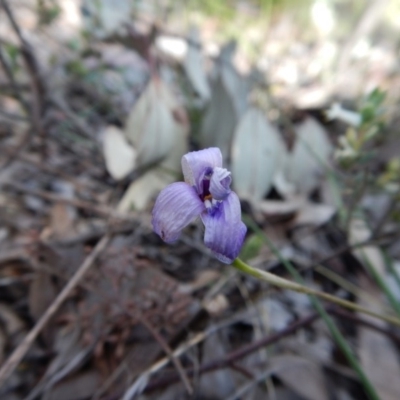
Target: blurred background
99,100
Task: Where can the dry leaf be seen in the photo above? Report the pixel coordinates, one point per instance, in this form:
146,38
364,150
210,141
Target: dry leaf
3,344
274,314
378,354
42,292
301,375
216,306
119,155
280,208
306,212
256,152
172,46
142,190
285,188
203,279
359,232
314,214
80,386
12,324
379,360
220,384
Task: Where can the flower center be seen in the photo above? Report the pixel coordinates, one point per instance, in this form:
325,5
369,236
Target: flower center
215,187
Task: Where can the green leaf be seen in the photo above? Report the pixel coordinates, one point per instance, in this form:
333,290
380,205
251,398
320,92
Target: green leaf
251,247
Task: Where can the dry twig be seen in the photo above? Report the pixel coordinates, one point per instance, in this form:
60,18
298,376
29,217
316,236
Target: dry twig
38,84
236,355
81,204
18,354
169,353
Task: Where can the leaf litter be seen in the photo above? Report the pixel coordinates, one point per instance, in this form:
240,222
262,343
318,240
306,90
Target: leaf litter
114,133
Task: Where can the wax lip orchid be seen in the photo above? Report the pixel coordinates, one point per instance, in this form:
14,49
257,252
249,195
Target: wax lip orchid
206,193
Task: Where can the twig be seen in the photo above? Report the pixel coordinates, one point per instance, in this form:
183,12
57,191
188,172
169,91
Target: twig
361,321
13,83
18,354
242,390
14,153
238,354
85,205
169,353
38,85
43,167
75,119
13,21
246,350
162,363
13,116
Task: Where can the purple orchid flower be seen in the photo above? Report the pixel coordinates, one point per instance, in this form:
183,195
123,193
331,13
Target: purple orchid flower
206,193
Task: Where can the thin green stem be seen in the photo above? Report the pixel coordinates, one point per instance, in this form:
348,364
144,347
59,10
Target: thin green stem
391,268
285,284
381,283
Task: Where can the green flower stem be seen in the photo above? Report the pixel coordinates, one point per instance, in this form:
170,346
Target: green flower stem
346,349
381,282
286,284
391,268
340,340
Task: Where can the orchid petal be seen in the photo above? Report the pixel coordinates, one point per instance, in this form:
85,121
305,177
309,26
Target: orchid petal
196,164
225,231
220,183
176,206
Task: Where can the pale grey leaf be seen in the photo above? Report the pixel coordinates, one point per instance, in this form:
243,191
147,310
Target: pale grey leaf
151,127
314,214
256,153
359,231
228,103
377,352
310,157
380,362
80,386
233,81
301,375
194,66
220,120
